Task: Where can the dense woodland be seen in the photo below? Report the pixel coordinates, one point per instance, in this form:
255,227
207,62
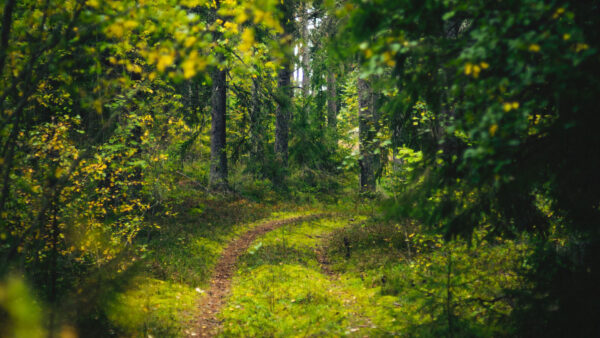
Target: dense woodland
413,168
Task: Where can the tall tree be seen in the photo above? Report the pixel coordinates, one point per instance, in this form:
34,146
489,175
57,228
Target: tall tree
332,96
256,128
284,95
218,141
367,123
305,49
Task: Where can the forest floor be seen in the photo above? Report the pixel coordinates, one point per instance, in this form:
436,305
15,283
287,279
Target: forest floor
210,305
286,285
241,268
245,269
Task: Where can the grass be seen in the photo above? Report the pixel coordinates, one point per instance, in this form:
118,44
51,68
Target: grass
389,279
180,256
153,307
280,289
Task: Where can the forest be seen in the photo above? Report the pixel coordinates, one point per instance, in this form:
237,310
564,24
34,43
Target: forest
275,168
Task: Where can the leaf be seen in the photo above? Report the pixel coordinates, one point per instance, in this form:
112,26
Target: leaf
449,15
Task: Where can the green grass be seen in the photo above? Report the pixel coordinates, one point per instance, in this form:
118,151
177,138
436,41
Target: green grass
153,307
180,256
280,289
393,283
288,300
389,279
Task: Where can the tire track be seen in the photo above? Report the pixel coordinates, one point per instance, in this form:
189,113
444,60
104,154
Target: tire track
207,324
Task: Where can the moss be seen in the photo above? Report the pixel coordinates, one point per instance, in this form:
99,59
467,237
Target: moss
280,289
154,307
288,300
181,257
393,283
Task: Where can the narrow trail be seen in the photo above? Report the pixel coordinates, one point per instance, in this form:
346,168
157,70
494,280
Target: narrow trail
207,324
323,259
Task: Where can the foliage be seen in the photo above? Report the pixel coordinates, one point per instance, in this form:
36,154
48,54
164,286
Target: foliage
478,122
430,286
21,316
494,74
512,88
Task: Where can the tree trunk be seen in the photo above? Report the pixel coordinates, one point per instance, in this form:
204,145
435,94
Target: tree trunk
332,96
256,137
331,100
6,26
284,97
366,135
283,113
305,52
218,152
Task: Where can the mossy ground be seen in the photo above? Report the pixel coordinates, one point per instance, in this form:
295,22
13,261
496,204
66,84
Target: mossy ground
380,279
280,289
387,280
180,257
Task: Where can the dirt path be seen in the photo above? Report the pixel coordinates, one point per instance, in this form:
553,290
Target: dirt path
360,320
207,324
323,259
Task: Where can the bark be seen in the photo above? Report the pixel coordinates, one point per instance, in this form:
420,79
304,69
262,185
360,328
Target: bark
256,138
331,100
283,113
366,134
305,52
332,96
6,26
284,96
218,151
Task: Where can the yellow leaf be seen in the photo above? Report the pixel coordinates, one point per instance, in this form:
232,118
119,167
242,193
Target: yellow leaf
93,3
534,47
476,71
493,129
130,24
247,40
164,61
189,41
468,68
581,46
115,30
231,27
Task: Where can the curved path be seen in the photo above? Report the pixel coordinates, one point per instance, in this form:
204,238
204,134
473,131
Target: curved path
207,324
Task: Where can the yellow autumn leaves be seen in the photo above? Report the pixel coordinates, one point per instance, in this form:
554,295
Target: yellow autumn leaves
121,27
474,69
247,40
506,107
186,48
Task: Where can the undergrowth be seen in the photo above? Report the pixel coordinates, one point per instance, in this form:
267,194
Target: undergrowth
179,258
387,279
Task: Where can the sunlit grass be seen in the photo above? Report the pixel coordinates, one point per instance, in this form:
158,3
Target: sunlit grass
388,279
180,258
154,306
